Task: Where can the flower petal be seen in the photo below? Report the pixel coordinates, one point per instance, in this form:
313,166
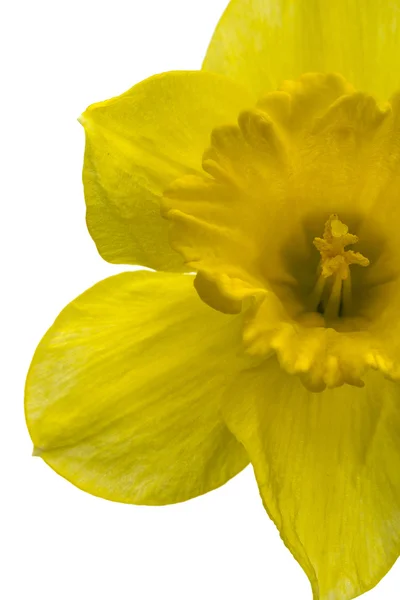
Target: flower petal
259,43
123,394
136,145
328,469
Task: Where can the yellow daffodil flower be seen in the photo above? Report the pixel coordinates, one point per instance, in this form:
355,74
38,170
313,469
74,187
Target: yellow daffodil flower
264,189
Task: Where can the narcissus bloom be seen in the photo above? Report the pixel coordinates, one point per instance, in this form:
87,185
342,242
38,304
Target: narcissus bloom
272,177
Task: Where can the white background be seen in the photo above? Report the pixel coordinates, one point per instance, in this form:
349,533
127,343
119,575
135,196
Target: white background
57,542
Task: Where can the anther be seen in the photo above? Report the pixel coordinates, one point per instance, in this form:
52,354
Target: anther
332,293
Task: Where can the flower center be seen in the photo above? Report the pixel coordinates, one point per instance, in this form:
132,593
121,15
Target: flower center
331,295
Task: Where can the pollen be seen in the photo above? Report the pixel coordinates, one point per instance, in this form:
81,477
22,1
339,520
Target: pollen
332,293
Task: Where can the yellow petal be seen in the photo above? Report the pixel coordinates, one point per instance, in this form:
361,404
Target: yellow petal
136,145
260,43
123,394
328,469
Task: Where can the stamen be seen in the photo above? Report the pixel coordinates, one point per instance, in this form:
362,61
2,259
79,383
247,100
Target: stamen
332,307
335,266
